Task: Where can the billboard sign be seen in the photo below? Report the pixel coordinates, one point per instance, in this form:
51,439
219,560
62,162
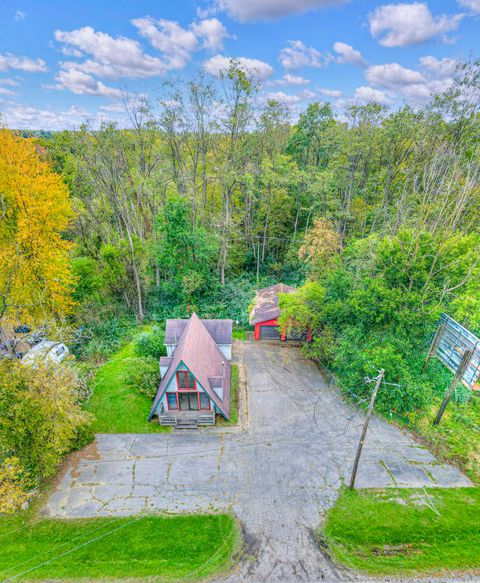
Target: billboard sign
450,343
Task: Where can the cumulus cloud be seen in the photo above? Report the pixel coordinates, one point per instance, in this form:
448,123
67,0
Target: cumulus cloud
364,95
439,67
392,75
9,82
298,55
5,91
110,57
401,25
346,54
253,10
330,92
255,68
9,61
212,32
289,79
81,83
413,85
283,98
20,15
473,5
18,116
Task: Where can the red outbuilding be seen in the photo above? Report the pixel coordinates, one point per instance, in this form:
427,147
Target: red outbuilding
265,312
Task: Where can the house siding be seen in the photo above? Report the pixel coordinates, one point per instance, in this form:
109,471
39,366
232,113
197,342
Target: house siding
173,388
225,349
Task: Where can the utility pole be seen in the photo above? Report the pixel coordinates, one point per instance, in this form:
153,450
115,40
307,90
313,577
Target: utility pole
364,429
467,355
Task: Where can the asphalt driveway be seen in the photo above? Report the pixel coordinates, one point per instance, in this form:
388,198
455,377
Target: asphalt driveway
277,475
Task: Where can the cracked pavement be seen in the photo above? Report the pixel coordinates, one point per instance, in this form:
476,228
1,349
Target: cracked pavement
278,474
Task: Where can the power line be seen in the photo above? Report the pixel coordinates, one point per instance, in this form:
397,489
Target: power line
72,550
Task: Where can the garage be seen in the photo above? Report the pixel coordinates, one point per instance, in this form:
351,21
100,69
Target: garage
265,313
269,332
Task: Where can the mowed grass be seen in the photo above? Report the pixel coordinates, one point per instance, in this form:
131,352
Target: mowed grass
393,531
233,400
117,407
159,548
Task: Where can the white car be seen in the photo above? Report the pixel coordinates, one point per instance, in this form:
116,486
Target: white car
46,350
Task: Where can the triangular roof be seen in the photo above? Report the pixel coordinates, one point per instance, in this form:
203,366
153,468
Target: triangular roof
197,350
266,303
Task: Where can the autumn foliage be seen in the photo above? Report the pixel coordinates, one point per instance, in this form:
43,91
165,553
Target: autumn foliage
35,209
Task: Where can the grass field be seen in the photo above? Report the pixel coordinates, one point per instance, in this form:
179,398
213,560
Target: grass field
117,407
393,531
159,548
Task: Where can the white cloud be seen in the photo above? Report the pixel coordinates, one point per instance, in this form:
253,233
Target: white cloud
307,94
18,116
20,15
281,97
415,86
176,43
364,95
400,25
252,10
439,67
330,92
347,54
81,83
9,82
298,55
392,75
288,79
473,5
9,61
212,32
255,68
4,91
112,57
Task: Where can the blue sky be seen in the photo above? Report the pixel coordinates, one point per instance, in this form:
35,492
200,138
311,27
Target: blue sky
63,62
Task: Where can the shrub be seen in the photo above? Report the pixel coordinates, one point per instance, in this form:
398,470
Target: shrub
83,436
151,344
143,374
39,414
13,485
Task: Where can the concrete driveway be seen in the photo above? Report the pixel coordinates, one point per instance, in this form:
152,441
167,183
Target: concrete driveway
277,475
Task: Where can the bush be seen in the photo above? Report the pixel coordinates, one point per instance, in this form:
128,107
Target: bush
13,485
151,344
143,375
39,415
83,436
100,339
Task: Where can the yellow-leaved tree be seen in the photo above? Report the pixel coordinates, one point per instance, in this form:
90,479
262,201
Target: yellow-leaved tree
35,209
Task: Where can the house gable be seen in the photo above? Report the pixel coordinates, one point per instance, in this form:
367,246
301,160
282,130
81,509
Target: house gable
199,353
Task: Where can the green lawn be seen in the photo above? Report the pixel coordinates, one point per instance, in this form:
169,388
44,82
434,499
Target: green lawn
117,407
393,531
239,334
233,400
457,438
159,548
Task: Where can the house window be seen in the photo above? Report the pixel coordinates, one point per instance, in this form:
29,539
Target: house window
185,381
172,401
204,402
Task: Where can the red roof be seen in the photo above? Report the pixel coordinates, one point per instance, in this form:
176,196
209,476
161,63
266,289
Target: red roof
198,351
266,303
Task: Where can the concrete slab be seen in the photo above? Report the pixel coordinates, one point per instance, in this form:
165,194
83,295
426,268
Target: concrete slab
278,475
